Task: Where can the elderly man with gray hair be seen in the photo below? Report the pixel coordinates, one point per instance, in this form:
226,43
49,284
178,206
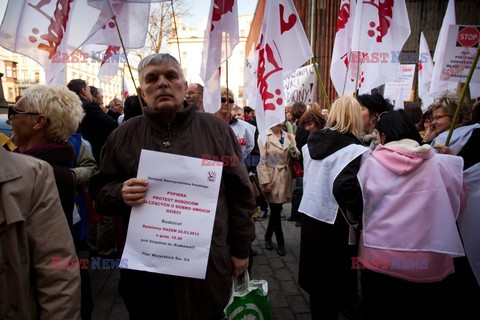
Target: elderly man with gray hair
171,125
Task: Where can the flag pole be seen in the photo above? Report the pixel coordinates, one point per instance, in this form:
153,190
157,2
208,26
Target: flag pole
176,33
320,82
355,93
346,73
462,96
226,80
128,63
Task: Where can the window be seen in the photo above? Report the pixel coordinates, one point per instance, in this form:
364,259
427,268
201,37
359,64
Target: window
9,72
37,77
11,96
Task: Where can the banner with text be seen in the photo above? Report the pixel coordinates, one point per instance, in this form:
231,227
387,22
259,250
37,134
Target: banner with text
300,85
404,82
171,232
462,44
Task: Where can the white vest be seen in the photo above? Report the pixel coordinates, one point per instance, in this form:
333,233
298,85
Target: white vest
318,200
460,137
469,219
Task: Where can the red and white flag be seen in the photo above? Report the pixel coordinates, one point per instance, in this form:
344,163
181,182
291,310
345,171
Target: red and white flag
341,50
425,72
132,19
50,31
381,29
281,48
125,94
439,86
221,36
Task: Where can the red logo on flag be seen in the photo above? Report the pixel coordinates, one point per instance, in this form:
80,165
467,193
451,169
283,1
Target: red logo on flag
385,14
58,24
343,15
220,8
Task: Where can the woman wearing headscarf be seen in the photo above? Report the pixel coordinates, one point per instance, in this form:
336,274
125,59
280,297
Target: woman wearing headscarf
332,204
412,198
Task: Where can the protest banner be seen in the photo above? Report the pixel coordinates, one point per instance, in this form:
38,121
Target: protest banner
404,83
462,43
300,85
171,232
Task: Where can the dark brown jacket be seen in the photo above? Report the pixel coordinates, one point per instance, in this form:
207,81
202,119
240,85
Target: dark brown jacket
191,134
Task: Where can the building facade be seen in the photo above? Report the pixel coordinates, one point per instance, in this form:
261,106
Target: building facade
21,72
190,42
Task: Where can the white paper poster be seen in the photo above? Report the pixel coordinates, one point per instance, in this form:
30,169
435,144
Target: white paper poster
300,85
462,44
171,232
404,82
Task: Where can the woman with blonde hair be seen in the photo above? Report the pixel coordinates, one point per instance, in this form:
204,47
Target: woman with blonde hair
332,204
42,121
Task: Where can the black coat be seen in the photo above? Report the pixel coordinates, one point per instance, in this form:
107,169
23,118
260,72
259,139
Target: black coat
96,126
325,256
60,157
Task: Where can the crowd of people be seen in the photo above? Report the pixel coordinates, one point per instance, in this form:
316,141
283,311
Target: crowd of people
388,212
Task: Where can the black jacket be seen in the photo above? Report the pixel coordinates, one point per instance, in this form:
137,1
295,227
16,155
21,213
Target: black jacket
60,157
96,126
325,255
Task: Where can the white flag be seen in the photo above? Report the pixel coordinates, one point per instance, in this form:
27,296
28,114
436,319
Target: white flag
125,94
221,36
341,59
132,20
399,99
282,48
50,31
425,72
380,31
438,86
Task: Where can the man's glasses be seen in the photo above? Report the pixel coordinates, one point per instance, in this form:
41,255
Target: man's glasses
191,93
229,100
12,112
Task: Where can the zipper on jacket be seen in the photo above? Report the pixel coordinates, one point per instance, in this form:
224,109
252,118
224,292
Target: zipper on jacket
167,144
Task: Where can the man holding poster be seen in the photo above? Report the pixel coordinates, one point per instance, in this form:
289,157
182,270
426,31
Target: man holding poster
170,125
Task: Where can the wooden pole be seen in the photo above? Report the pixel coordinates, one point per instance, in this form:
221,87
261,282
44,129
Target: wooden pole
176,33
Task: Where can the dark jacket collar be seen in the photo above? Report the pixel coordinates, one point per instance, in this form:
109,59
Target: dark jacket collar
182,119
56,154
323,143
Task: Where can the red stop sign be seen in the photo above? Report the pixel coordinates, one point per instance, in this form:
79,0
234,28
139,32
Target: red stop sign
468,36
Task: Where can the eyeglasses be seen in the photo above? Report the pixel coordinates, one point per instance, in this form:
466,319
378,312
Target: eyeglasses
191,93
12,112
229,100
435,118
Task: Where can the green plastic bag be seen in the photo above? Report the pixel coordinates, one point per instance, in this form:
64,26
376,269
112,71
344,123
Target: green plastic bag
249,301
